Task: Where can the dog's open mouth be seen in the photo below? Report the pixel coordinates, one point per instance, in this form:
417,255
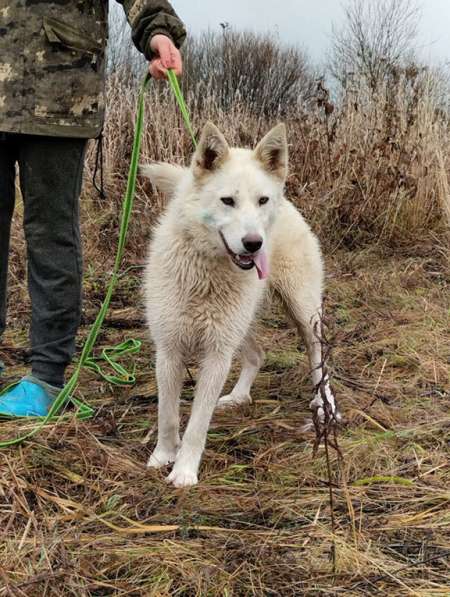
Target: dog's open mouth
248,260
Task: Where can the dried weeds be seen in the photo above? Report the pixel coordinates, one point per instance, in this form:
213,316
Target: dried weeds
79,512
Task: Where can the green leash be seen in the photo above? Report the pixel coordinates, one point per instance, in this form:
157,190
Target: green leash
83,410
173,80
109,354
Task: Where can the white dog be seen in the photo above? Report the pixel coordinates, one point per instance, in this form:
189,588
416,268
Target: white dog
227,233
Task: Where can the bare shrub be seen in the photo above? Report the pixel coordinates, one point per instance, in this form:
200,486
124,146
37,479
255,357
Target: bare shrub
376,38
247,67
121,53
381,174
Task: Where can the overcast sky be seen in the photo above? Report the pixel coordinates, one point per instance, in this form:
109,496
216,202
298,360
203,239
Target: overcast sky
308,23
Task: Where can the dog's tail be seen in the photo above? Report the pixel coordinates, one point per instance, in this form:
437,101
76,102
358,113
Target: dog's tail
165,177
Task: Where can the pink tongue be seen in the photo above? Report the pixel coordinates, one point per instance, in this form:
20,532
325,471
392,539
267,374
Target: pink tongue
262,265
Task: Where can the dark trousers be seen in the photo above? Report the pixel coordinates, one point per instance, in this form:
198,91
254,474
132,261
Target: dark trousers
50,181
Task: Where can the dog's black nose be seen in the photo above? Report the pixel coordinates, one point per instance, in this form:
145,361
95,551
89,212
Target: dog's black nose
252,242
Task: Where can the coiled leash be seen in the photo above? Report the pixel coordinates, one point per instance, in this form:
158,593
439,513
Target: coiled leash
110,355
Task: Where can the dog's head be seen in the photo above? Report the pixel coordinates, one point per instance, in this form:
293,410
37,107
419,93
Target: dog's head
230,195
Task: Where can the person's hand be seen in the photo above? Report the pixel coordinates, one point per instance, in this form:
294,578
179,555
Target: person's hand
167,56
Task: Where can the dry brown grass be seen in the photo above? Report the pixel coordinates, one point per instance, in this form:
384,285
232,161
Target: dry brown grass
79,513
371,169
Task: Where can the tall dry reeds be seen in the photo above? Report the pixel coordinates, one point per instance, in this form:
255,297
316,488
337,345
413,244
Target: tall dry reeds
371,167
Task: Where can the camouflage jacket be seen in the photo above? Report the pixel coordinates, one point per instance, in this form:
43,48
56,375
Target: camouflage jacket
52,60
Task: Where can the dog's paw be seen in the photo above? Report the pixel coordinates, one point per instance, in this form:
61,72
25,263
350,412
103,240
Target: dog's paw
231,400
161,457
318,407
182,477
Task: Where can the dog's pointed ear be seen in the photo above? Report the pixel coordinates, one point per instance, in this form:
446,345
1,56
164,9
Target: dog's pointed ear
272,152
165,177
211,152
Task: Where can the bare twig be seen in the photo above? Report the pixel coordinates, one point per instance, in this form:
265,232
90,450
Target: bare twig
328,426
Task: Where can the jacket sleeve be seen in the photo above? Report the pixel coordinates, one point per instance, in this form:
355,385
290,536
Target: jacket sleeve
150,17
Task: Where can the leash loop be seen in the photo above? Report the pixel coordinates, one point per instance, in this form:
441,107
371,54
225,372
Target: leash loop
109,355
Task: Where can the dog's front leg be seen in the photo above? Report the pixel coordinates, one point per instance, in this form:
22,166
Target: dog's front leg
212,376
311,330
169,377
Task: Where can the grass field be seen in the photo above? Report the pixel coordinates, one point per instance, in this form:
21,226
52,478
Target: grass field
80,514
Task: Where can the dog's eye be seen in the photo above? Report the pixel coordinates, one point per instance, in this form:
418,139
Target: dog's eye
228,201
263,200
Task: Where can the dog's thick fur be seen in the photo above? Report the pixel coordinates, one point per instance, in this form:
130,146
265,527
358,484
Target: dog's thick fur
201,296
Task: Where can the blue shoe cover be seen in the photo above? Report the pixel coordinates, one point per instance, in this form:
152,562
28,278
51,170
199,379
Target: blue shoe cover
27,399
